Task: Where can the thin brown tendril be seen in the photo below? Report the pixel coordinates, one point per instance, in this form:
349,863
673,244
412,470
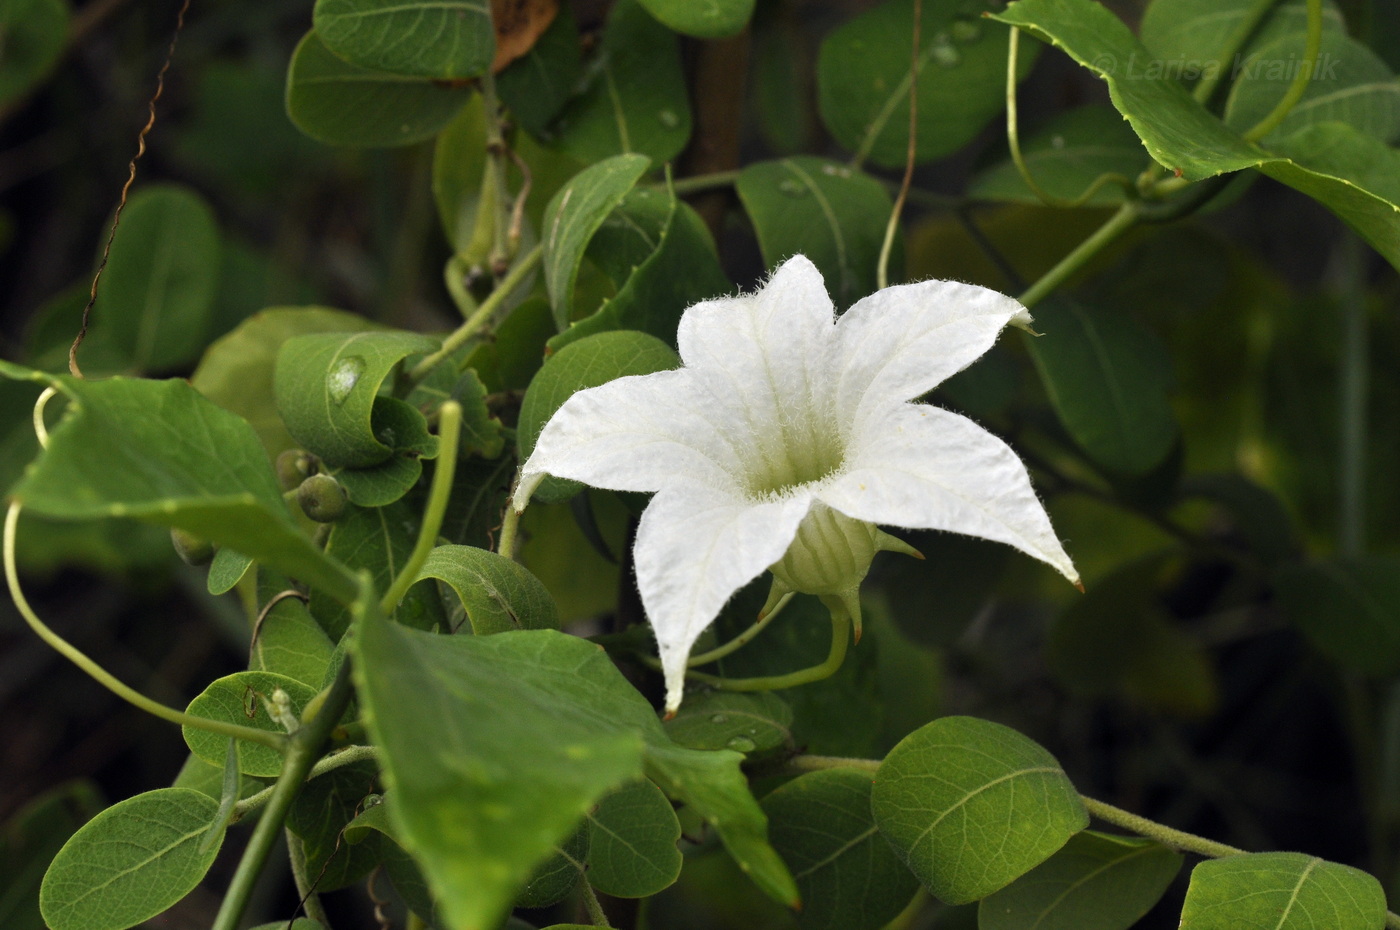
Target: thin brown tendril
130,177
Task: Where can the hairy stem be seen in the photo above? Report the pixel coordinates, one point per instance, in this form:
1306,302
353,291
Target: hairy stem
840,641
449,431
330,763
1116,225
99,674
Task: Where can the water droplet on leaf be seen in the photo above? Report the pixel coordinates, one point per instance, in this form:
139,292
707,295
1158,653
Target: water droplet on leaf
719,718
386,436
1057,142
343,377
945,55
669,119
792,188
741,744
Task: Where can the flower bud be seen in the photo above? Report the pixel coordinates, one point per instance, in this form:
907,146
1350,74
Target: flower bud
322,498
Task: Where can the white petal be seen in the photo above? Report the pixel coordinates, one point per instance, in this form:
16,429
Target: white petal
765,359
695,548
636,433
903,341
919,467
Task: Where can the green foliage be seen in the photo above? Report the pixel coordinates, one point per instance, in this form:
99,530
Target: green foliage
1283,890
832,213
1066,157
496,594
433,40
130,862
747,723
848,875
971,805
29,840
632,842
709,19
1349,608
573,216
340,103
865,71
245,698
33,32
1096,882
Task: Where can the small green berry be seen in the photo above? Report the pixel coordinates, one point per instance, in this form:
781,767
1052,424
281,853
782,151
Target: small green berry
322,498
294,466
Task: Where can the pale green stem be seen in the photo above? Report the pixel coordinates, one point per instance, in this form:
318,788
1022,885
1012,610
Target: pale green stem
40,430
1177,839
449,430
478,320
1116,225
1013,142
840,640
502,248
1299,85
510,528
70,652
1205,88
306,891
304,747
347,756
743,639
882,267
703,182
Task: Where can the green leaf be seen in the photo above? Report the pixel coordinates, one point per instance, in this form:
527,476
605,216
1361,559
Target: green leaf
1198,31
850,878
327,387
1348,608
704,19
1066,156
496,593
560,727
1107,377
479,491
832,213
377,540
289,640
34,32
971,805
636,98
676,268
574,215
30,839
208,780
1281,891
1097,882
745,723
236,371
338,103
242,698
226,570
323,808
632,850
403,871
157,292
863,77
1119,640
130,862
158,451
301,923
1349,84
445,39
591,361
555,878
459,161
536,86
1353,175
932,602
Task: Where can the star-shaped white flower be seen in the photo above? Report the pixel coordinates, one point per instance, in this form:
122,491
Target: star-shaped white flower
782,414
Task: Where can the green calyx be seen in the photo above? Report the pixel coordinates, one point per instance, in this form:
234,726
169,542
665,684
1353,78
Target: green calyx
830,557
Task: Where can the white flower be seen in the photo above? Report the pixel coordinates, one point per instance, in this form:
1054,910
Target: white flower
782,414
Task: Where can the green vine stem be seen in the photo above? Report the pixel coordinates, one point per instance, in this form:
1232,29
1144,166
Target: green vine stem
840,641
743,639
99,674
596,916
306,888
882,267
479,320
1299,84
1205,88
1119,223
330,763
449,432
303,751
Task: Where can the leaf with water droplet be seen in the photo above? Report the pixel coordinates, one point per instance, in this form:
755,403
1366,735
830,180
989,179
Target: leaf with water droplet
719,720
864,98
326,386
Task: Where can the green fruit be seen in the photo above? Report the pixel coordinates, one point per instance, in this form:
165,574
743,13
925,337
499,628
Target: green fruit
321,498
294,466
190,548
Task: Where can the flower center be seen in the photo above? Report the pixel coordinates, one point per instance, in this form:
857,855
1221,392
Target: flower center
801,453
